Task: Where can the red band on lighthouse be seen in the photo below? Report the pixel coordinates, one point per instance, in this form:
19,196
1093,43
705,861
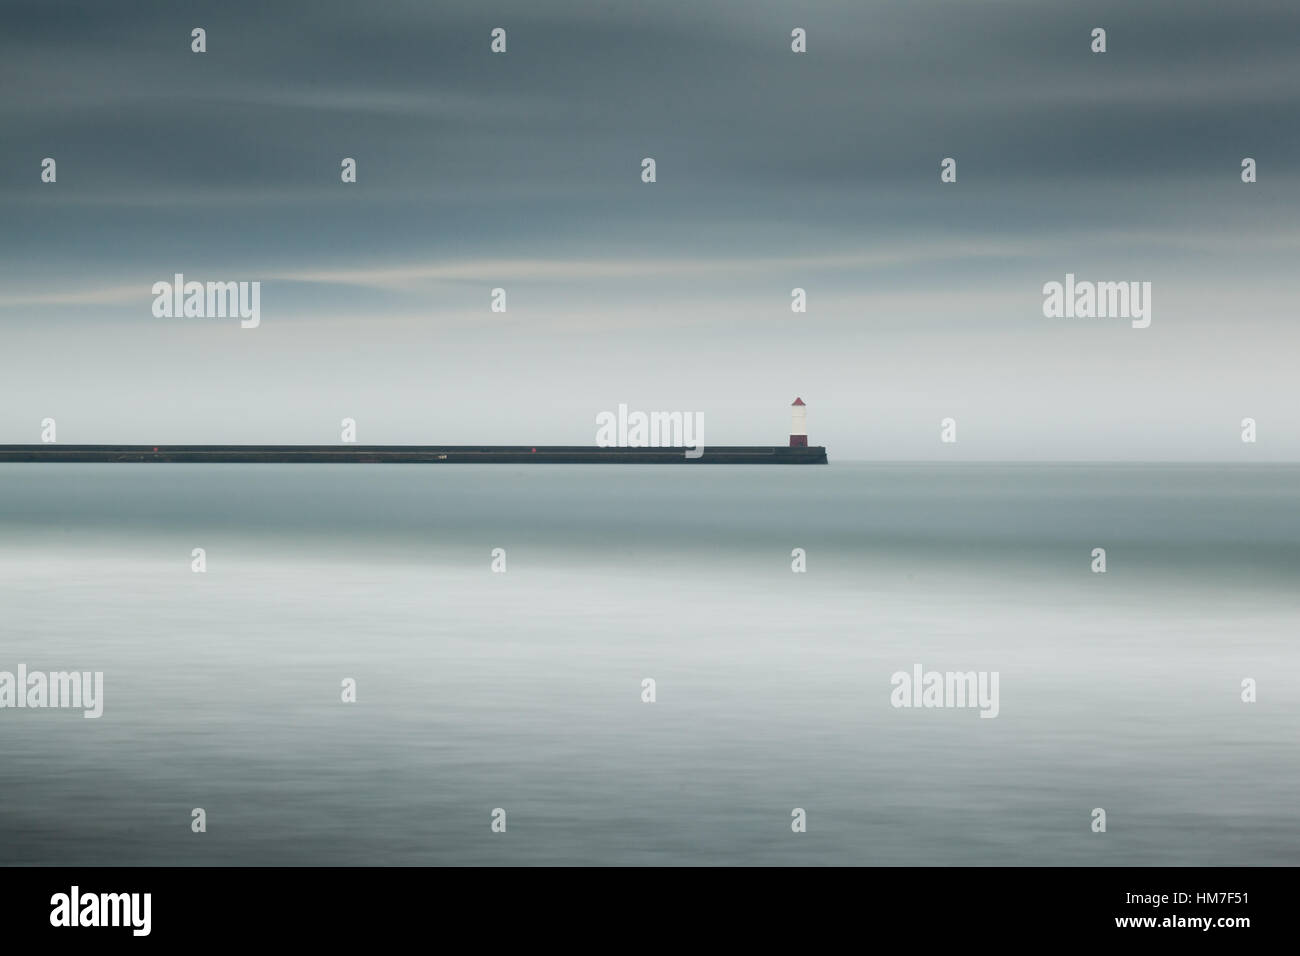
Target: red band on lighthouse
798,424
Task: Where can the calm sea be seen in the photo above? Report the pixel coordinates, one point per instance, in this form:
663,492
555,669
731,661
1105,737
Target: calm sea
522,690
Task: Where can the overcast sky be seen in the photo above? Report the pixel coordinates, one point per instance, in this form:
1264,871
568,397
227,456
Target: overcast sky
775,170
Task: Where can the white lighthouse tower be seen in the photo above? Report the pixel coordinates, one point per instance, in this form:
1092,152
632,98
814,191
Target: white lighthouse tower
798,424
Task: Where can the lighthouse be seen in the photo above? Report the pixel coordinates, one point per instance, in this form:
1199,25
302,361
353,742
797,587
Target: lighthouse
798,424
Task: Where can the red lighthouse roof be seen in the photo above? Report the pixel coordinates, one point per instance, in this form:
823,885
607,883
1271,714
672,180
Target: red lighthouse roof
797,401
